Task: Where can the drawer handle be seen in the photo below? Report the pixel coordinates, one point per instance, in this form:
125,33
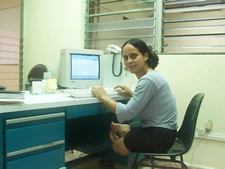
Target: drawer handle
27,150
33,118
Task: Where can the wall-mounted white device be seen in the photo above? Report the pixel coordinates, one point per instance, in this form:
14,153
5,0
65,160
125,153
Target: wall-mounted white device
113,49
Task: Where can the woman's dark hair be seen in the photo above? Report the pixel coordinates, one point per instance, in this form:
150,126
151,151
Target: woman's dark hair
153,59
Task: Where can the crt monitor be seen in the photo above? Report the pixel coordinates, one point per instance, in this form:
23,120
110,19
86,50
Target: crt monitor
80,68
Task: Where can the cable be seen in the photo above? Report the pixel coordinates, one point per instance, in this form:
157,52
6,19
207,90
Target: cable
206,134
121,66
197,144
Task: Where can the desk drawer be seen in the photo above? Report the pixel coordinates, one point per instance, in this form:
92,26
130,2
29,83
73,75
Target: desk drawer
23,133
85,110
48,160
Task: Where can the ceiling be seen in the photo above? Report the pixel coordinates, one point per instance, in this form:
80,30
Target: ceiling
5,4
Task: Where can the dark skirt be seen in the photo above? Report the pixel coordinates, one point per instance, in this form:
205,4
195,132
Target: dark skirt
150,139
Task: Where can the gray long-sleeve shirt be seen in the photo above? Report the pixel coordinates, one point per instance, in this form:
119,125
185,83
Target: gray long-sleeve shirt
154,102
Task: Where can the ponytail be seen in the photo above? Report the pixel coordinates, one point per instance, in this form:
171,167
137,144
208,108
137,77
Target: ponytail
153,59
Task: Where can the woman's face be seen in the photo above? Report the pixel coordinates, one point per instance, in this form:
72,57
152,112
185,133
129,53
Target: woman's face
133,59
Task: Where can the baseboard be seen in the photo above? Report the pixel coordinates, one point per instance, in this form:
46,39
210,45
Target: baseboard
198,166
211,136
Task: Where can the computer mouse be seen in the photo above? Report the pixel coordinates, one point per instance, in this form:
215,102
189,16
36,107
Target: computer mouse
2,87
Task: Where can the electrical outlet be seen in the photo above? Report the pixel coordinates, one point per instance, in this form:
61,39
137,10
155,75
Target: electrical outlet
201,131
208,125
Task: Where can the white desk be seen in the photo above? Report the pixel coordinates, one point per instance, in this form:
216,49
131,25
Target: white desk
52,100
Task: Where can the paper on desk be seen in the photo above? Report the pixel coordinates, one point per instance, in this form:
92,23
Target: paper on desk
7,101
51,85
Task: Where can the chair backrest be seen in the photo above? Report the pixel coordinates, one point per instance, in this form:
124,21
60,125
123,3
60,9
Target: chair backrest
37,72
187,131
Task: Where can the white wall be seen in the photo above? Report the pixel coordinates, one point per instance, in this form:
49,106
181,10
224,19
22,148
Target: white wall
189,75
51,25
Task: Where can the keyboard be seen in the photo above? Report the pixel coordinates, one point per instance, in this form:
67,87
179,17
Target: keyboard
85,93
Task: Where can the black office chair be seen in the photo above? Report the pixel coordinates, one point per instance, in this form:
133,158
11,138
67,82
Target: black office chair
183,142
37,72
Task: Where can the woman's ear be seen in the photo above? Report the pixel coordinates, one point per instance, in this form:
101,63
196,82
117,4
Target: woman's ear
146,56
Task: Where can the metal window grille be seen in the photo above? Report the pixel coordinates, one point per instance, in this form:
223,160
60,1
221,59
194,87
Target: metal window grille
116,21
193,26
21,50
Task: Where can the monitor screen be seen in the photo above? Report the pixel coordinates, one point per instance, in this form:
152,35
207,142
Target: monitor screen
80,68
85,66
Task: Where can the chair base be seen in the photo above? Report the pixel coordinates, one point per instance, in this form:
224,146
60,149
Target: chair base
149,161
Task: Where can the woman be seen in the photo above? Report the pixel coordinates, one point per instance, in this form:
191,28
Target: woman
152,99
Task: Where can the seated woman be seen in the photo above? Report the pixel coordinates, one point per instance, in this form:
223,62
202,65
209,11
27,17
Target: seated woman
153,100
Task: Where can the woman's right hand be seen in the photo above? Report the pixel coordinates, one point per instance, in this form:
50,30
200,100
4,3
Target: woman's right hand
124,90
99,92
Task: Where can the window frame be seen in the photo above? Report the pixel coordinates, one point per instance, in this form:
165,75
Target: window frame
156,27
204,41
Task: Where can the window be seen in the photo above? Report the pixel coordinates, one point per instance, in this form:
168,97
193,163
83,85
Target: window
193,26
116,21
11,44
9,47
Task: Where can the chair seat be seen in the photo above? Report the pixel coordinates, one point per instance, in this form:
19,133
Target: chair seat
177,147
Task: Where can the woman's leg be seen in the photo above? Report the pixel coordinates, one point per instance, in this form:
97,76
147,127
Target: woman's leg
113,136
118,145
120,129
